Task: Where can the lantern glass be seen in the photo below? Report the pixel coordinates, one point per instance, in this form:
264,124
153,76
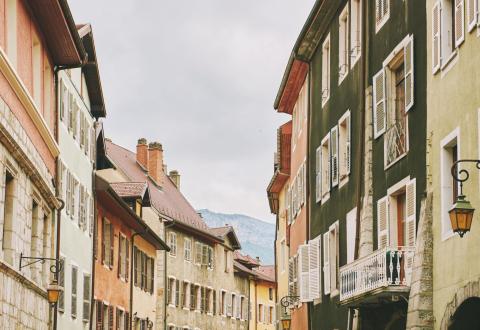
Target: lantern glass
286,324
53,292
461,216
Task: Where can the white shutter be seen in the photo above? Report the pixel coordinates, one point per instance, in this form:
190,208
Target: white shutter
314,272
335,256
326,263
383,222
304,267
379,104
304,182
334,155
411,226
408,60
290,277
472,9
351,234
436,28
459,23
348,145
318,174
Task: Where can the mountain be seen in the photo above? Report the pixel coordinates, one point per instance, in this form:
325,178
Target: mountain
256,236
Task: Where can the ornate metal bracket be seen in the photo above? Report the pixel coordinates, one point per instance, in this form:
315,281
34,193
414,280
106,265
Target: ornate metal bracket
463,175
288,301
55,268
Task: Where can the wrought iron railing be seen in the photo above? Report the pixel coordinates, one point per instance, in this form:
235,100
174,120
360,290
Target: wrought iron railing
396,139
383,268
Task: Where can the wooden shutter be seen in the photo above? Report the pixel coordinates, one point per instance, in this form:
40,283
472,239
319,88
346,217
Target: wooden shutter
127,321
436,28
127,263
119,266
314,268
411,208
383,223
110,317
104,236
99,315
152,275
111,245
472,9
61,283
379,104
335,263
459,22
326,263
304,268
135,263
198,252
334,155
348,144
408,57
177,293
86,298
74,292
318,174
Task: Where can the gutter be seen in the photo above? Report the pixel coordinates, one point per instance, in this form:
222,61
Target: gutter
165,227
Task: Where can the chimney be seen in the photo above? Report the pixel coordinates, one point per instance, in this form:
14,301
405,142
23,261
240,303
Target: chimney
155,162
142,153
175,176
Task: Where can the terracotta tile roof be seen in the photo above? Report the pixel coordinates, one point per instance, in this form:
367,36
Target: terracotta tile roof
167,200
221,231
241,268
266,273
245,258
129,189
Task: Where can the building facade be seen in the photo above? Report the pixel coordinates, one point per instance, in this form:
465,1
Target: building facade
452,133
29,52
80,102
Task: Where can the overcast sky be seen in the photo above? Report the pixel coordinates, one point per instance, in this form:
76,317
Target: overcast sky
199,76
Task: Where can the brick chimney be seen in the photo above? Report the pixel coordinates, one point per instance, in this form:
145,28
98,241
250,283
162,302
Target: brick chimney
175,176
142,153
155,162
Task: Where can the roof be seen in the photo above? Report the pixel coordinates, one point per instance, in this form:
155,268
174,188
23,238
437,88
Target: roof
222,232
245,259
130,189
266,273
167,199
242,269
58,27
105,191
92,73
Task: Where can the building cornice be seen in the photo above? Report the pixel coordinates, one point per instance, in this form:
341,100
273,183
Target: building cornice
7,69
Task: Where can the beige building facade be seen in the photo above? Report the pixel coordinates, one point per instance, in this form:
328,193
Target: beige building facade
453,134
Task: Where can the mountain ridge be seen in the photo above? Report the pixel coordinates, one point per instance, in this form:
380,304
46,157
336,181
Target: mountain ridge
256,236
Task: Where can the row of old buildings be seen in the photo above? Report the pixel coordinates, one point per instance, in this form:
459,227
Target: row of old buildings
106,228
370,171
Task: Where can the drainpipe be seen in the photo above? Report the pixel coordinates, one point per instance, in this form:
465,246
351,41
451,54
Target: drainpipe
94,246
165,227
361,148
249,302
255,306
275,258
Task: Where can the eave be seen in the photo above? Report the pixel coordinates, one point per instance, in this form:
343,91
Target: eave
92,73
58,27
196,232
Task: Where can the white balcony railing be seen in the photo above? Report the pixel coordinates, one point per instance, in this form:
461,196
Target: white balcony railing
381,269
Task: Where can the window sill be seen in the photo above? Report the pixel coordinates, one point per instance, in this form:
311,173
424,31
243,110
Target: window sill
326,197
343,181
446,66
381,23
396,160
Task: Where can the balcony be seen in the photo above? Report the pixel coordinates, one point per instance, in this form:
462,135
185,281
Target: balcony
384,274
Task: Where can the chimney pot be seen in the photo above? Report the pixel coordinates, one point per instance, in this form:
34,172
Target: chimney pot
142,153
155,162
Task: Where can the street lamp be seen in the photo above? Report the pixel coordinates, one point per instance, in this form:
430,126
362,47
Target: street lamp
286,322
461,213
286,302
53,292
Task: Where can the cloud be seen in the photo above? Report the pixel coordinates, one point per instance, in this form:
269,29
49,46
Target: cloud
200,77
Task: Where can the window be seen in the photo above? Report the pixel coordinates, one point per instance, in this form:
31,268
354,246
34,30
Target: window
185,294
123,257
261,313
344,146
298,191
171,291
326,70
120,320
196,298
177,293
355,31
393,95
187,254
8,209
86,298
270,293
331,257
61,284
233,304
448,31
382,13
11,18
300,112
449,187
270,315
208,300
173,243
343,49
198,253
396,213
47,95
193,296
242,308
223,303
74,292
37,71
334,155
107,243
